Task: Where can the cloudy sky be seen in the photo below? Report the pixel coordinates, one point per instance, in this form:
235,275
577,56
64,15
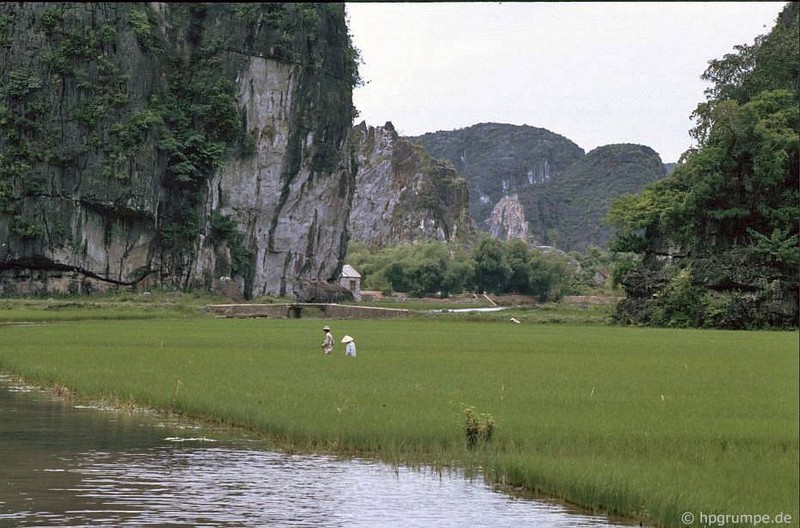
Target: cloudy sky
595,72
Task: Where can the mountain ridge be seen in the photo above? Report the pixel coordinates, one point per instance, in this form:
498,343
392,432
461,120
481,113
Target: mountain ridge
548,172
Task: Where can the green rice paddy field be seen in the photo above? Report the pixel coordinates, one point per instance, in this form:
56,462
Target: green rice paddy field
646,423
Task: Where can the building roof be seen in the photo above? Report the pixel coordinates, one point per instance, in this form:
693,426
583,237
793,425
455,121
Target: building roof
350,272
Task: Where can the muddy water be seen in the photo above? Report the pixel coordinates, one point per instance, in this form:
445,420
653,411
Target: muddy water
65,465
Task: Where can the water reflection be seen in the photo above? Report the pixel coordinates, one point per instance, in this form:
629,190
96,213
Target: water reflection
68,466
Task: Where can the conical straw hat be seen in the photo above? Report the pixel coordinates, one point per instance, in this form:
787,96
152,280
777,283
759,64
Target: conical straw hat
346,339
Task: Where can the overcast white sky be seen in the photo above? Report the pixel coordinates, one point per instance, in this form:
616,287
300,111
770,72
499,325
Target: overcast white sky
595,72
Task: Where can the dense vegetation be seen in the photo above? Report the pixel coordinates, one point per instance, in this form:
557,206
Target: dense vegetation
498,159
570,209
490,265
646,423
126,111
717,241
564,193
714,244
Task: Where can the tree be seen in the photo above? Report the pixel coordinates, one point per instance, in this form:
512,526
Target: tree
725,221
771,63
427,277
428,268
518,256
492,269
398,274
549,276
458,275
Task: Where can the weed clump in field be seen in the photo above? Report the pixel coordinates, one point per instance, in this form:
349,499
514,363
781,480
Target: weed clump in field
477,426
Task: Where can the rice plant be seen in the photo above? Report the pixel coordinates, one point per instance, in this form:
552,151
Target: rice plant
647,423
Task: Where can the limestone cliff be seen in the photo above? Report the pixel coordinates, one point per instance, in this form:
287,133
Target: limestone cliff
498,160
171,144
402,194
528,182
507,219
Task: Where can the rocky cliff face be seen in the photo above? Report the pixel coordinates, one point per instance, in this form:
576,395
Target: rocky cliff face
507,219
498,160
172,144
530,183
402,194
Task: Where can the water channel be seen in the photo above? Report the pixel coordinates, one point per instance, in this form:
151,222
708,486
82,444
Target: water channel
63,464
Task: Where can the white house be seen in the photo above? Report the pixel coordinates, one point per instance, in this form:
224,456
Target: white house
351,279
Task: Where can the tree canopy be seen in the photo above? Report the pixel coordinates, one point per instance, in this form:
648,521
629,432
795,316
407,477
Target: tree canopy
717,239
491,265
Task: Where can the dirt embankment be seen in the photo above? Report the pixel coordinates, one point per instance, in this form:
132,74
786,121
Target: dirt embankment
590,299
298,310
522,300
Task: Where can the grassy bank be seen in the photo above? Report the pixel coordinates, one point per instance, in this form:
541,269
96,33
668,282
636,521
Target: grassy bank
646,423
110,307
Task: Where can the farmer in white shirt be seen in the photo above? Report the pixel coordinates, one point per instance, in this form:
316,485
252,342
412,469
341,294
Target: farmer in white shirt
350,349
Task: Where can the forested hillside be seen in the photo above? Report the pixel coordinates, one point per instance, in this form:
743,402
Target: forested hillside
563,192
567,212
717,241
498,160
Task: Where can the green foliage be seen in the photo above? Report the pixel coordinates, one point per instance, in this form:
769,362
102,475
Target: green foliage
20,83
225,229
550,277
515,267
6,194
770,63
140,22
648,423
640,220
596,267
6,28
190,161
680,304
422,269
723,225
131,134
492,269
25,228
72,46
564,193
778,249
184,227
478,427
50,20
518,257
746,174
23,115
441,269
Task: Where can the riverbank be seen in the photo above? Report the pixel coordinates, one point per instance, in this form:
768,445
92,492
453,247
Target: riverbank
68,465
644,423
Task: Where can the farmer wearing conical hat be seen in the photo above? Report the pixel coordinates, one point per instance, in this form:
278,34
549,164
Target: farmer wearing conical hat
350,349
327,343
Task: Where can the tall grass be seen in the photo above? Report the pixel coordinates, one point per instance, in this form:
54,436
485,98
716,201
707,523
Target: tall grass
112,306
647,423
